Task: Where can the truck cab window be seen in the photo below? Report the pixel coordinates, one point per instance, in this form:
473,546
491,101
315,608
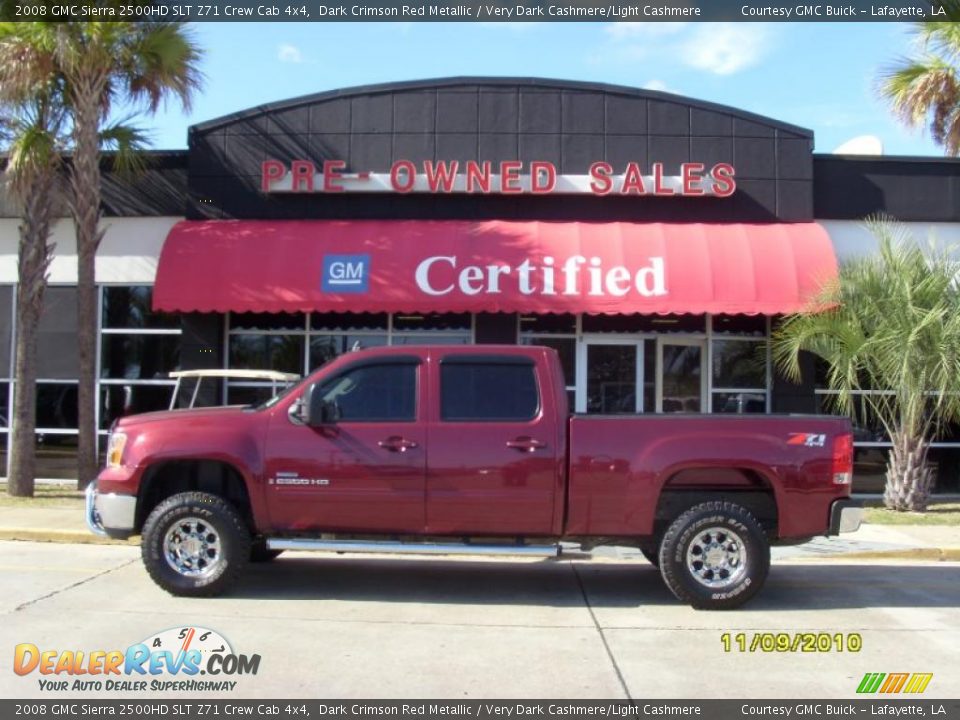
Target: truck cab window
374,393
488,391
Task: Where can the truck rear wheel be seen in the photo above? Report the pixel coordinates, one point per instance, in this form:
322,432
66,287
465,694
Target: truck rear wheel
715,556
195,544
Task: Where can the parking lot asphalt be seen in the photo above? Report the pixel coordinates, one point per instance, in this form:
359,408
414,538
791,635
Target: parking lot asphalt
341,626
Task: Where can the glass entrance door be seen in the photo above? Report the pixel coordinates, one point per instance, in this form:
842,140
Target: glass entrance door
610,376
681,377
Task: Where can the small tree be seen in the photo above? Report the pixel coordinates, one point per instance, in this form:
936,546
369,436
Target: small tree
33,137
102,65
893,325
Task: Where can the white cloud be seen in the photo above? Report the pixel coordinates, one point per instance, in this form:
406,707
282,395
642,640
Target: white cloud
658,85
718,48
725,48
289,54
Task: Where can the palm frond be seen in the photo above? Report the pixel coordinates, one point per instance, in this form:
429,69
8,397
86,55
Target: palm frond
924,88
160,61
127,143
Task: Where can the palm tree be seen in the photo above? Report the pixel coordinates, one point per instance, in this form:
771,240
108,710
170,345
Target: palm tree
102,64
926,86
893,328
34,139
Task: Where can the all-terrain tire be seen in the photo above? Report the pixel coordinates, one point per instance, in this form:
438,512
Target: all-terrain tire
195,544
715,556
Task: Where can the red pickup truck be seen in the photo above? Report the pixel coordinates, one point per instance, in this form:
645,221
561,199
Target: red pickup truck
444,450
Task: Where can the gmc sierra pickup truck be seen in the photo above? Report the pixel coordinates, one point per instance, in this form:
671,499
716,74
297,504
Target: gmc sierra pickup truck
448,450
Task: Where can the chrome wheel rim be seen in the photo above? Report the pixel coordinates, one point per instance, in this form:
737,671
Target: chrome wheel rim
192,548
717,557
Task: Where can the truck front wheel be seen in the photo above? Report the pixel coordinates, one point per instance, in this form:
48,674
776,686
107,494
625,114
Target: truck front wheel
715,556
195,544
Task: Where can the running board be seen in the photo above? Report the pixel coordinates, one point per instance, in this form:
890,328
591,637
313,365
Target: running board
403,548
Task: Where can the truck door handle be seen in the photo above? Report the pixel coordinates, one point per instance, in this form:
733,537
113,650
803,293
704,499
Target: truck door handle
526,444
395,443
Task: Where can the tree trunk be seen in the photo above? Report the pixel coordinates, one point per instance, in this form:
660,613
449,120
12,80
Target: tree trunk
85,204
909,475
34,259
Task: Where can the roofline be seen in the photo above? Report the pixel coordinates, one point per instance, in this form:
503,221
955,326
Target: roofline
932,159
500,81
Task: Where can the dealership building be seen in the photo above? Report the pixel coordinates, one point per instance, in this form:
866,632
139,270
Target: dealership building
653,240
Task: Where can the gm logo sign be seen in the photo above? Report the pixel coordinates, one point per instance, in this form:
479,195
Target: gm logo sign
345,273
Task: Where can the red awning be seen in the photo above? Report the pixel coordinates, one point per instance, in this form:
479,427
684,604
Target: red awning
491,266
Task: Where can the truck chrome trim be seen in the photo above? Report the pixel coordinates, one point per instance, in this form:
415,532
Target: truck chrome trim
403,548
845,516
91,515
110,512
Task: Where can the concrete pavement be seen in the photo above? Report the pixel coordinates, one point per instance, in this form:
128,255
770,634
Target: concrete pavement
365,626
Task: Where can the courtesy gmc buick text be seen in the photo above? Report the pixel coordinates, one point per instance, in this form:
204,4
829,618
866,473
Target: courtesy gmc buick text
450,450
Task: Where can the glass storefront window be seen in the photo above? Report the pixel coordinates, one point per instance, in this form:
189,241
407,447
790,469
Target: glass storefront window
739,364
565,324
611,379
6,329
248,394
440,339
266,322
56,456
348,321
866,426
324,348
274,352
139,357
57,352
118,401
740,402
130,308
4,406
432,321
57,406
755,325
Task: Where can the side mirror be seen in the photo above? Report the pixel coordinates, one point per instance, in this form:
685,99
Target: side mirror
319,412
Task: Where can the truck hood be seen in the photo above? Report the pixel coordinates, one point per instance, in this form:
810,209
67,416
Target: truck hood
182,416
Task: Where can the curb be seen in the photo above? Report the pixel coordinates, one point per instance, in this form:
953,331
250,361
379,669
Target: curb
933,553
61,536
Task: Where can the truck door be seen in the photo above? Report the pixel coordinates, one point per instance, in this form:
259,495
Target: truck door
492,465
366,471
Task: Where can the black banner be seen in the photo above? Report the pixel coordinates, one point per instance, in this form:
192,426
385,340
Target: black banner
486,10
183,709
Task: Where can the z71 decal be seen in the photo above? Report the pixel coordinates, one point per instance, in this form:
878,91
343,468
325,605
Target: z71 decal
807,439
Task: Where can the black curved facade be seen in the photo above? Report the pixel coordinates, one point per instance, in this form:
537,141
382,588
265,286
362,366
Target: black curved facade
570,124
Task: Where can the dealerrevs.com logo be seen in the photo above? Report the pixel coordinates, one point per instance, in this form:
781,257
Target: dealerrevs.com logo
180,659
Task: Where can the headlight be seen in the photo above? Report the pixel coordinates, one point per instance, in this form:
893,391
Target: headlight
115,449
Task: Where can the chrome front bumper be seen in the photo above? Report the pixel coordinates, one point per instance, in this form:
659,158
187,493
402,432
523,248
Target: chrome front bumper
845,516
110,515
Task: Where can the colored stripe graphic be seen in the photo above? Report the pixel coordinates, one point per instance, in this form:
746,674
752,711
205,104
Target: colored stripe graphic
870,682
918,683
894,683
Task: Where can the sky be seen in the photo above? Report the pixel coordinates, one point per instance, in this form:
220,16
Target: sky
820,76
